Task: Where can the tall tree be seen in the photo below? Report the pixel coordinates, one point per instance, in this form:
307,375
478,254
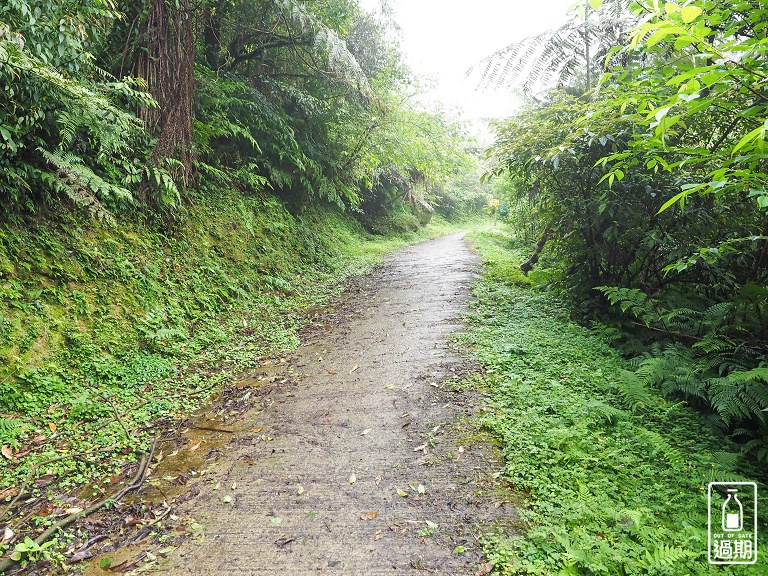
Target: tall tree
566,57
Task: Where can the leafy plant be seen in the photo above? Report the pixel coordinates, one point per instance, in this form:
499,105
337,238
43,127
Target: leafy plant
33,552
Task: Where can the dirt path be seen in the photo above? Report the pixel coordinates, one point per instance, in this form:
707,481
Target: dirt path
357,441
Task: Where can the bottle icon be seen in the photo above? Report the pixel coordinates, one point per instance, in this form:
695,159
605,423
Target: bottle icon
733,512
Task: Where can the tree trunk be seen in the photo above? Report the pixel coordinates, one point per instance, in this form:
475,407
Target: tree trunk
167,64
527,266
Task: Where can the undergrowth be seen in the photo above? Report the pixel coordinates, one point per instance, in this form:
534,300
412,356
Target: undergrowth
614,484
109,335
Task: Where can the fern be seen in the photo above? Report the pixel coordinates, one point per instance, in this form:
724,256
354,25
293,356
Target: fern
635,392
631,301
741,395
83,186
663,557
11,430
557,56
340,62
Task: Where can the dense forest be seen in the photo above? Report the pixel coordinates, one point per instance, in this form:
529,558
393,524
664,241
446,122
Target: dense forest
163,164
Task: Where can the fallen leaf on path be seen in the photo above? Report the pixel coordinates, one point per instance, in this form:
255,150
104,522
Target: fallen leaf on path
39,439
74,510
355,367
46,510
227,499
44,480
352,479
280,542
9,493
332,373
484,569
378,536
80,556
126,566
369,515
402,493
420,489
299,489
52,426
423,447
276,520
366,431
7,452
131,521
195,446
256,430
431,524
7,536
389,386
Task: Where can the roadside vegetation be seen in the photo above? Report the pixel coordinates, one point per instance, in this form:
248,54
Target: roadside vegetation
623,318
614,478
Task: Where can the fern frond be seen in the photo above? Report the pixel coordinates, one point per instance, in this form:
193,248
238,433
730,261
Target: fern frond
538,63
83,186
664,557
605,412
741,394
635,393
340,62
633,301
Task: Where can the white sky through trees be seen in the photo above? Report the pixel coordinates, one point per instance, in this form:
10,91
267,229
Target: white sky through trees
442,39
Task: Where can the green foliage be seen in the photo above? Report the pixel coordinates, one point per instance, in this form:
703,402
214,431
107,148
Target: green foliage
673,122
12,430
569,55
57,107
697,115
608,491
29,550
718,368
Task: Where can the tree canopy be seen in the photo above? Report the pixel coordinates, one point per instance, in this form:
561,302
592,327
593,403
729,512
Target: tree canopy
126,106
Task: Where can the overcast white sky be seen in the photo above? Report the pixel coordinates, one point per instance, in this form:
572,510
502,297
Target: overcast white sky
443,38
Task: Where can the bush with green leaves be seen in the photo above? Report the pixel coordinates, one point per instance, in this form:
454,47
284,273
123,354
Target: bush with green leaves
62,130
678,124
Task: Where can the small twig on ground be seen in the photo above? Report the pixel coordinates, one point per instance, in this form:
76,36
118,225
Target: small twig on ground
117,416
136,483
212,429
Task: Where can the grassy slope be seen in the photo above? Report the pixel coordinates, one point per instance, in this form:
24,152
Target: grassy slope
131,320
613,484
